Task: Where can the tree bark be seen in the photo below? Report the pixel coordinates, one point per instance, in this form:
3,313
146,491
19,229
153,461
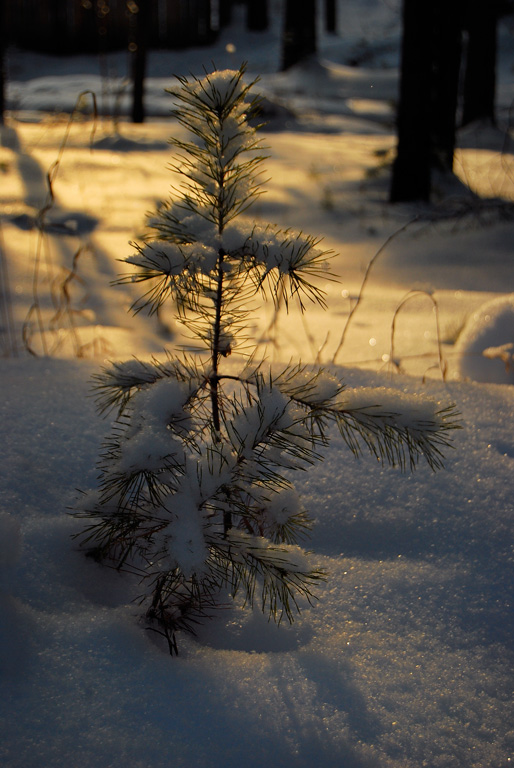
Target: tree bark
411,168
225,12
299,32
481,52
330,16
59,37
139,58
446,57
3,45
257,17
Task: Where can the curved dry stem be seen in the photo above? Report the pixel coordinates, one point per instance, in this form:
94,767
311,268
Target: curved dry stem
364,282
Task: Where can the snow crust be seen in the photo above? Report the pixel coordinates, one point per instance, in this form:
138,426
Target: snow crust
405,660
10,540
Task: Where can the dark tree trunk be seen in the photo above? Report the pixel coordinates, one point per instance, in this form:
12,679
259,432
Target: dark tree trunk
139,56
480,72
57,28
58,12
299,32
330,16
2,87
411,169
446,57
257,18
206,32
225,12
3,44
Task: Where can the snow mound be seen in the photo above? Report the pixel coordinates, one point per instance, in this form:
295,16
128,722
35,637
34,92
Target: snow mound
485,348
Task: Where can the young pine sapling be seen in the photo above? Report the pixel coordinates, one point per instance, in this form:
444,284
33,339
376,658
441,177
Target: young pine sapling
195,489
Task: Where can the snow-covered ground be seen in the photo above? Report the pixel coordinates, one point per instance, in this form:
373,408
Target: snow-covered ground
407,658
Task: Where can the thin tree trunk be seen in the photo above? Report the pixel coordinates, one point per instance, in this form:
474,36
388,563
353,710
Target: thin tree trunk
330,16
411,169
59,27
3,44
139,59
257,18
446,57
2,88
299,32
481,53
225,12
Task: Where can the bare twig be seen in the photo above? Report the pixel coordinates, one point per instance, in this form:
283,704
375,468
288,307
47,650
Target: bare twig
412,295
41,220
365,280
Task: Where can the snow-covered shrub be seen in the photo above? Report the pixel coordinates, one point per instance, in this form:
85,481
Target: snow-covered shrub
485,347
195,492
